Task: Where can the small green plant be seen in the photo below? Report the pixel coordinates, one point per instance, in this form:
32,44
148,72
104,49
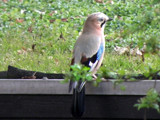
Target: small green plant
151,100
151,73
78,72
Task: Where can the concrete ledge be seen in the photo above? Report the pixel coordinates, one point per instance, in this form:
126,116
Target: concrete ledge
53,86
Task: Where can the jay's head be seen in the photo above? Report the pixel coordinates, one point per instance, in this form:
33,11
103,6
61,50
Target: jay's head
96,22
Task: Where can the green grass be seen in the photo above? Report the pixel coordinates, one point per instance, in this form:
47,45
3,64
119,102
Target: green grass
130,64
135,23
45,57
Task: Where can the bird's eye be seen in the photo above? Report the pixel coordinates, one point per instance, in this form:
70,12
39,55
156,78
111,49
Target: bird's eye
101,19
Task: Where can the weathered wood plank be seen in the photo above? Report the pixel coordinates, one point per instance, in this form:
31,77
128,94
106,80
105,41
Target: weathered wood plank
49,99
58,106
53,86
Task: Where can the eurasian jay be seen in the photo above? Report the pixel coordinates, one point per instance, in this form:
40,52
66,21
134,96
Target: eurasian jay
89,51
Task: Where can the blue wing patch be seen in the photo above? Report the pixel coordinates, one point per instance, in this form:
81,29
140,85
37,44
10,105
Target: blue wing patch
100,51
89,61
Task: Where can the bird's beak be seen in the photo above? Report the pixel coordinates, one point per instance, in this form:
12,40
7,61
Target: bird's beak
110,19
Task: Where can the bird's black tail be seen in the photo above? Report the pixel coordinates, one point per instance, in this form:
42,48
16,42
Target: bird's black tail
78,102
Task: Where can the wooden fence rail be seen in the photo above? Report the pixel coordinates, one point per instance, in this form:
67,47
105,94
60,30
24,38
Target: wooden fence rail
49,99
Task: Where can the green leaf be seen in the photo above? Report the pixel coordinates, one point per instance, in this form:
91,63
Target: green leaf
151,100
80,72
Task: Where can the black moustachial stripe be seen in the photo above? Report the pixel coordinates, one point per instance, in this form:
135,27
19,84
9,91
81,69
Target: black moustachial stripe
103,24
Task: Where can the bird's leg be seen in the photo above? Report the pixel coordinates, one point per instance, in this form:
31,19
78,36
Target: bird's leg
94,76
83,83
